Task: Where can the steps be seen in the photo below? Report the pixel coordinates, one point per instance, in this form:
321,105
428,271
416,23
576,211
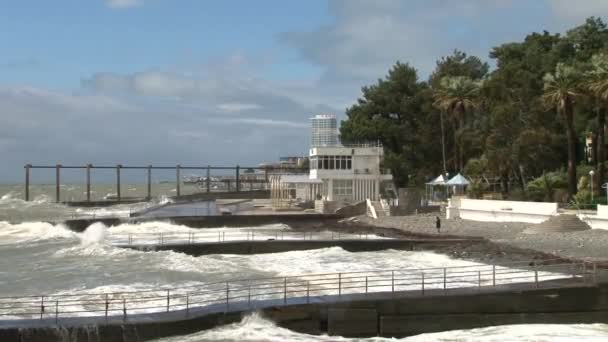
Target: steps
375,209
558,224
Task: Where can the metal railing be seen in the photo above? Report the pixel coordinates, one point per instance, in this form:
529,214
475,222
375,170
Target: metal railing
249,294
163,238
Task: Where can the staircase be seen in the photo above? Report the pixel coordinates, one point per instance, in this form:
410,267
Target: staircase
377,209
558,224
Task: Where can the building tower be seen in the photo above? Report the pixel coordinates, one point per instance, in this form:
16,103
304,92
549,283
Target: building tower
325,130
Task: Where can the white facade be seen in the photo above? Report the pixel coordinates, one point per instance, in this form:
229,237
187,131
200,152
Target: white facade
349,173
325,130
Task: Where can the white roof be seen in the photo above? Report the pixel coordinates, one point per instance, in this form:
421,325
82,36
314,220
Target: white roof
458,180
299,179
437,181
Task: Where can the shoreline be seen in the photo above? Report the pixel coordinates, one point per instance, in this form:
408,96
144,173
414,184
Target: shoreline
489,242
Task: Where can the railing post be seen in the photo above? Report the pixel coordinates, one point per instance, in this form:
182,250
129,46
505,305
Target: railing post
393,281
130,239
535,277
88,179
366,284
208,180
168,300
249,296
594,273
227,295
57,183
339,284
56,311
224,236
308,292
238,181
445,271
584,272
493,275
118,167
149,182
27,182
187,304
41,307
422,278
479,279
177,180
107,307
285,291
124,309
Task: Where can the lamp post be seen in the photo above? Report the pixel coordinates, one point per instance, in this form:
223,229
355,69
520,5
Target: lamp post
591,173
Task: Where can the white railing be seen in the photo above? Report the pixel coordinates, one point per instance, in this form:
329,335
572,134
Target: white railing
167,238
249,294
371,211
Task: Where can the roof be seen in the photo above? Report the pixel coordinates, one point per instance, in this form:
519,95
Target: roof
458,180
437,181
299,179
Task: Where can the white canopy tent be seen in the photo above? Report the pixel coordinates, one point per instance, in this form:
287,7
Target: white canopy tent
430,188
458,184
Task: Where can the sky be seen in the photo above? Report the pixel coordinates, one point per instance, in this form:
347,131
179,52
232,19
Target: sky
192,82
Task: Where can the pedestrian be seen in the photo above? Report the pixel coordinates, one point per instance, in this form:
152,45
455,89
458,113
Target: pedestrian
438,224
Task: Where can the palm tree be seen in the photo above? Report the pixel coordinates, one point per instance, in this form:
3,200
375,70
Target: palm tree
561,89
597,84
457,96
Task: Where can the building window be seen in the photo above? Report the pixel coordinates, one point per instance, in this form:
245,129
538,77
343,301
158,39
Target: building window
332,162
342,189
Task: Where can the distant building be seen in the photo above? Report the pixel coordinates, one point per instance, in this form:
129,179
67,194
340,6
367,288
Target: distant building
338,173
349,173
324,130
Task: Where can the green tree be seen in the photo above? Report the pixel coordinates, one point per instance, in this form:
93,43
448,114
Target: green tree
561,90
395,111
597,84
457,96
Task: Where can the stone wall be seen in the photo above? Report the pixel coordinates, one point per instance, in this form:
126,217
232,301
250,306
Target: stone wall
500,211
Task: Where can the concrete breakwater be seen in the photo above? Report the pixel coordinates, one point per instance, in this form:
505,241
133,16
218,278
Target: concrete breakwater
358,315
80,225
278,246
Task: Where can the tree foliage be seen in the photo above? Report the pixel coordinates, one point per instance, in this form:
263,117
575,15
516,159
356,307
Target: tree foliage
523,119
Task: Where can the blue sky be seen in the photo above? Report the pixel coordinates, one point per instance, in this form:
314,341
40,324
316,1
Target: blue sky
220,82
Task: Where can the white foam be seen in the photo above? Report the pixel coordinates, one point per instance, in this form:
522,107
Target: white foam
255,327
32,232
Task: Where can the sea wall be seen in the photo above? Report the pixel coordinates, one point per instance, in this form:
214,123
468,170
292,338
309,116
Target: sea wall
278,246
79,225
500,211
380,314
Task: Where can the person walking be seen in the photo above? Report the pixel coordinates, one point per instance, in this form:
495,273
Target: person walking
438,224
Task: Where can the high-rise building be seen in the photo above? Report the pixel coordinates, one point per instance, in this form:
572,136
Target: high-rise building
325,130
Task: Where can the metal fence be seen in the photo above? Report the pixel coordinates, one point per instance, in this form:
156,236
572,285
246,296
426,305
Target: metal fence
163,238
249,294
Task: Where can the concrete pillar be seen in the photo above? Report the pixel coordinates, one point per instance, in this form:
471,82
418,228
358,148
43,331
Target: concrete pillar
88,179
118,167
149,182
27,181
57,183
177,180
208,178
238,182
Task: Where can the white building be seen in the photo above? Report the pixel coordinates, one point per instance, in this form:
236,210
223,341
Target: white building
349,173
324,130
338,173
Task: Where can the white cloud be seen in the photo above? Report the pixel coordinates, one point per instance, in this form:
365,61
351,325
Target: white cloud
237,107
123,3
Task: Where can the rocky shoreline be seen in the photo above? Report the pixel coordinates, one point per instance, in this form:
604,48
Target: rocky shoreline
488,242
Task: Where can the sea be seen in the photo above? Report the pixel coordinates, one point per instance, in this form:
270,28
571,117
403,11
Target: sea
39,256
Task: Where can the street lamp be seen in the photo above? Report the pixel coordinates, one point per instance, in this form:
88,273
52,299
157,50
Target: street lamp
591,173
